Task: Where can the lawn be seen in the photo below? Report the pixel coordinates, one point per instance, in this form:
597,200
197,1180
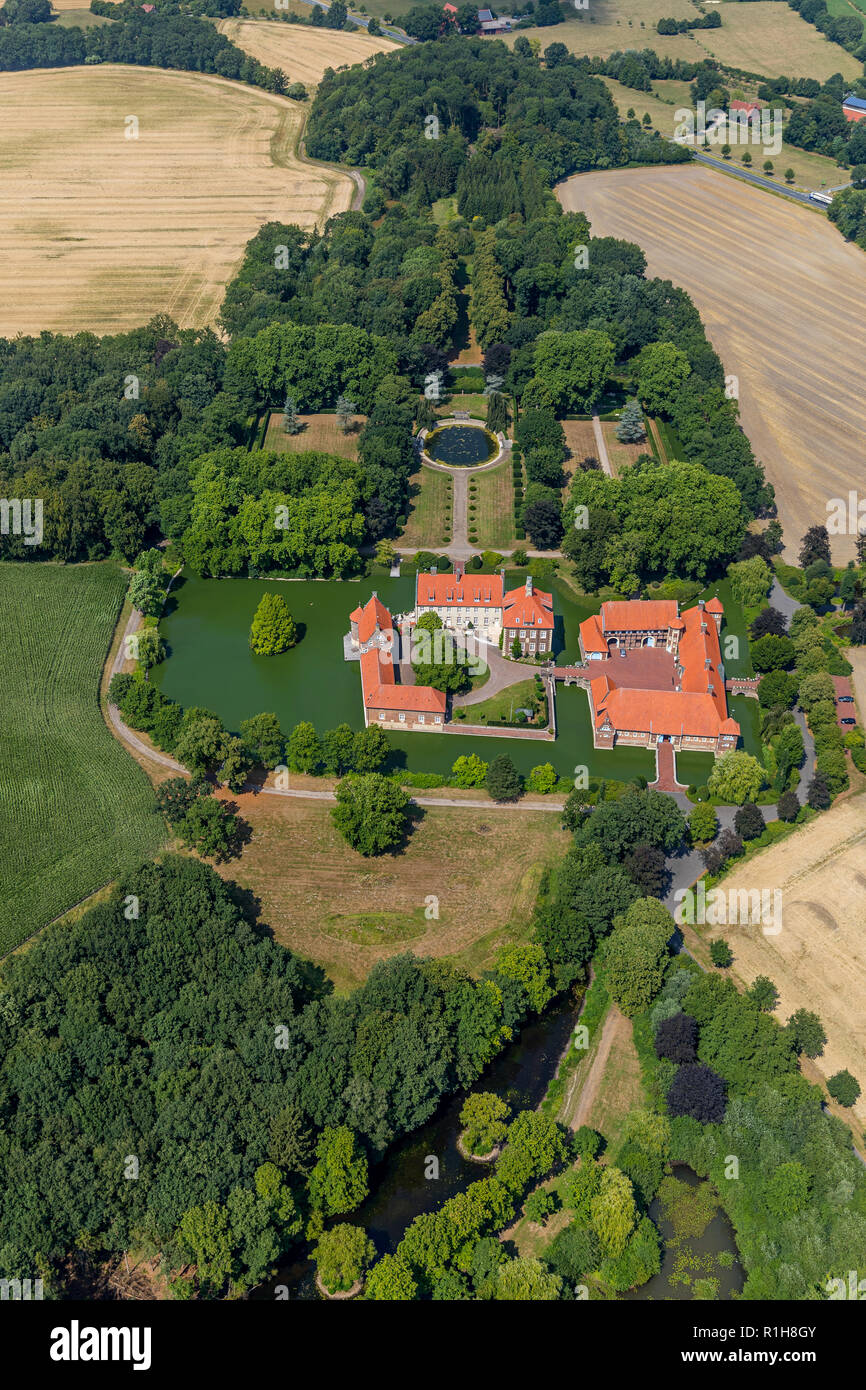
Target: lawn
503,705
493,517
581,445
475,402
75,810
478,869
763,37
430,510
318,432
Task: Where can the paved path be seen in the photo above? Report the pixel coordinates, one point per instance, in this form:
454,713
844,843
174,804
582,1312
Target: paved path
601,446
503,673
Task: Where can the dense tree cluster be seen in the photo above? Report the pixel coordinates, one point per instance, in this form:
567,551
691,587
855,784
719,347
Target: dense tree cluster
410,116
249,1097
798,1199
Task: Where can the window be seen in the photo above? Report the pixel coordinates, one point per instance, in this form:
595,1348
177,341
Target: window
420,719
381,714
402,718
438,719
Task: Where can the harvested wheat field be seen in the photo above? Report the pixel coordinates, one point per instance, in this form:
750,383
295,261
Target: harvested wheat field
480,869
301,52
818,959
780,293
101,232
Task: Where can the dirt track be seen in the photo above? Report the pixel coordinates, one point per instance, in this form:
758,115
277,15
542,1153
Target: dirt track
781,295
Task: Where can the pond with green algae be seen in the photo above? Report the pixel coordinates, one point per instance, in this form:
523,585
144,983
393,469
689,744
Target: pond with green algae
461,445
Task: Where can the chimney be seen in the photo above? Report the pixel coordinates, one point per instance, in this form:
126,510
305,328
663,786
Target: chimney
528,585
700,603
458,570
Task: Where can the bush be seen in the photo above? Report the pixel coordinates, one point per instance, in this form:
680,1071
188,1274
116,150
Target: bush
699,1092
677,1038
748,821
844,1088
788,807
720,953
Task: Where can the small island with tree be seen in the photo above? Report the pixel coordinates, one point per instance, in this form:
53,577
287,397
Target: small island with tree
273,629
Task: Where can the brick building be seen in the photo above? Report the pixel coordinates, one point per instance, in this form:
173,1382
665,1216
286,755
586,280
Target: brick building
479,604
660,677
387,703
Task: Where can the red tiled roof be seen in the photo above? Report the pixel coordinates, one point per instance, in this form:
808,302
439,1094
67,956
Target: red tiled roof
591,636
521,609
639,615
378,681
695,650
658,711
470,591
695,710
373,612
715,605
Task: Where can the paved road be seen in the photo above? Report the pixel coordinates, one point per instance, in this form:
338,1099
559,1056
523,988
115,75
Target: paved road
503,672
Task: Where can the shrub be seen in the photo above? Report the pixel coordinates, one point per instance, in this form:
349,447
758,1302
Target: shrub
788,807
677,1038
720,953
748,821
844,1088
699,1092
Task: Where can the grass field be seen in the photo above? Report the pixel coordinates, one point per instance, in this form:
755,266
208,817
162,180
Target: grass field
493,517
763,37
818,960
811,171
101,232
321,433
345,912
768,37
429,524
609,26
74,808
779,292
302,53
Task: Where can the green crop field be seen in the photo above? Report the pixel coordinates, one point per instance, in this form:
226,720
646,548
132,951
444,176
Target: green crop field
75,809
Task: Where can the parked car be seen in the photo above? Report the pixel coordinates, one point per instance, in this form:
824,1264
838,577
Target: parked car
848,721
846,699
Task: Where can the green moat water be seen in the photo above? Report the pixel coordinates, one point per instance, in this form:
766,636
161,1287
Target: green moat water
209,663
